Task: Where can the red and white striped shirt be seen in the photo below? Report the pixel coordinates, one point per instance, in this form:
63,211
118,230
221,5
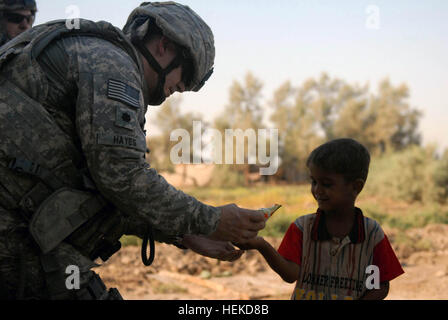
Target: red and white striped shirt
331,268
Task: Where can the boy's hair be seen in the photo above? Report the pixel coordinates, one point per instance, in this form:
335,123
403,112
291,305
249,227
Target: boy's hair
343,156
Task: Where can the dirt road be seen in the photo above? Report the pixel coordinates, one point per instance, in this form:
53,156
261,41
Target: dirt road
178,274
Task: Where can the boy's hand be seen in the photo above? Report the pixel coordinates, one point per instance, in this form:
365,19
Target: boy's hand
255,243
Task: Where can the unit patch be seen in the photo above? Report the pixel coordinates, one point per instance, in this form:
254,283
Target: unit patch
125,118
120,91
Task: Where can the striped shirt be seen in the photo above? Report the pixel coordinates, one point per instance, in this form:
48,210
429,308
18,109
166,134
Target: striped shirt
333,268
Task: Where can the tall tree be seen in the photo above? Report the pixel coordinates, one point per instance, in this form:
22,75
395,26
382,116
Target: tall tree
168,119
383,122
325,109
296,121
244,111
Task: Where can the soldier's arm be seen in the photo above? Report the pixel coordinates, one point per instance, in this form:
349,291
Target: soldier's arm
110,114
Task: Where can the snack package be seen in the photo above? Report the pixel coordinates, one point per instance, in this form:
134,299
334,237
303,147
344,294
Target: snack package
268,212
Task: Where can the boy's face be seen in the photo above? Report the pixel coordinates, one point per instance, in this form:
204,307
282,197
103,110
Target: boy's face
332,191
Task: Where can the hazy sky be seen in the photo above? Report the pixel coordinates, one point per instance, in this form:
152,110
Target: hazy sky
358,41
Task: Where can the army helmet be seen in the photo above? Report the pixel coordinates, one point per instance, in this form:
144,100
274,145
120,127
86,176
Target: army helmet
11,5
184,27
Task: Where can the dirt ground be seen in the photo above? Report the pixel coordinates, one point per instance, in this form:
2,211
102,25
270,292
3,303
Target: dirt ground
182,275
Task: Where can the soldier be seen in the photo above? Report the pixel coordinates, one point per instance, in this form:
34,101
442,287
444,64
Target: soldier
73,178
16,16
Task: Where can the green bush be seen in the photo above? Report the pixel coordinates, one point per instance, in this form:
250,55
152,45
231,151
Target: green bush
417,217
412,175
277,226
226,176
130,241
440,177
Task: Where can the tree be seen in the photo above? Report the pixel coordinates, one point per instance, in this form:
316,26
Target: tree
383,122
168,119
325,109
297,132
244,111
306,117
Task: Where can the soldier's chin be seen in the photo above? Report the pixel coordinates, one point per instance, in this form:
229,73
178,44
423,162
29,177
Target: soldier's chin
157,101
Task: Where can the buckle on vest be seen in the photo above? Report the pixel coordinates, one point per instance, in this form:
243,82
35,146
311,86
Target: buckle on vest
105,249
24,166
33,199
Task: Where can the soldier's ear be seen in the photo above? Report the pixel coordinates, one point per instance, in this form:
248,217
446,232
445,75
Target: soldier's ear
163,44
157,45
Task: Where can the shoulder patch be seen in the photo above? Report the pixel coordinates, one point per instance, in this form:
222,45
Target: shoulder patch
125,118
120,91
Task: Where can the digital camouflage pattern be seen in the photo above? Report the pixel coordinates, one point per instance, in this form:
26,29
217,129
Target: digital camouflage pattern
93,88
3,34
18,5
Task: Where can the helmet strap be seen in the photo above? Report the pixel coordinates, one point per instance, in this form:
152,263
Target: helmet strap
162,73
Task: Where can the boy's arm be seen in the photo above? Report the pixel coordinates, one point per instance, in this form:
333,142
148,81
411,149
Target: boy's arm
288,270
385,259
377,294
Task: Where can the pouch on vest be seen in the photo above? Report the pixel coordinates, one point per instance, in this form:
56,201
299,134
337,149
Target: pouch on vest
62,213
32,134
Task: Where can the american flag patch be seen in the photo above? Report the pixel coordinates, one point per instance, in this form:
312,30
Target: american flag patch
122,92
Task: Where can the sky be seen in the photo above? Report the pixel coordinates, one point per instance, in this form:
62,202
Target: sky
358,41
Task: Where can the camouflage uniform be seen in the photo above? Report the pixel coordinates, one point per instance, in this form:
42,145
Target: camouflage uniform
10,5
90,84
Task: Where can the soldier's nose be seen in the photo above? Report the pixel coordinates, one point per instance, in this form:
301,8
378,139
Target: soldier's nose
181,87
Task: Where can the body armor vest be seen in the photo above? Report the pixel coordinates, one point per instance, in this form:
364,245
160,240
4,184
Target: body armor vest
48,185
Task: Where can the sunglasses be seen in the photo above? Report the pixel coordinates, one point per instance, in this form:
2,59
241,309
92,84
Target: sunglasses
18,18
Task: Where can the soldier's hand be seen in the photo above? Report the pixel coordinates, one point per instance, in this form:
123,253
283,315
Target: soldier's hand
221,250
238,225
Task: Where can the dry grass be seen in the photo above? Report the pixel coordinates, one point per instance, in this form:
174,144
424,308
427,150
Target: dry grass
296,200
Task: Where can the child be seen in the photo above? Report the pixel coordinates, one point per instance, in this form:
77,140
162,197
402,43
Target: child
330,254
